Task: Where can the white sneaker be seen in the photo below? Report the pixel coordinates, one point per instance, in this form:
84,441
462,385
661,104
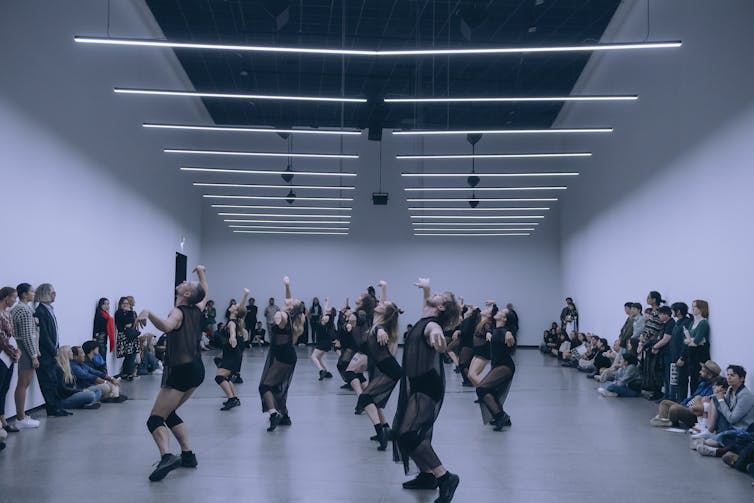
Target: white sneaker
703,435
157,372
27,422
606,393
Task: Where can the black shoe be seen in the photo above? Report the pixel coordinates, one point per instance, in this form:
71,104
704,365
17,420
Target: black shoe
447,485
382,438
500,422
328,375
388,432
285,420
230,403
59,413
188,460
321,375
346,386
422,481
120,399
274,421
358,410
2,446
11,428
654,396
167,464
91,406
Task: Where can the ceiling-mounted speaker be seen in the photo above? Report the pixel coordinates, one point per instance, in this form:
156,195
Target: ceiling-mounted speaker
290,198
473,181
473,203
380,198
473,138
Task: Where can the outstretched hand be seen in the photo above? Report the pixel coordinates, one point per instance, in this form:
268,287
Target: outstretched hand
142,319
381,283
199,268
286,280
422,283
246,291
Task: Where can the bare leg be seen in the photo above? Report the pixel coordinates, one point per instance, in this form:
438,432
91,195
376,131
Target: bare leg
453,357
316,358
168,400
373,413
226,386
24,380
476,368
383,419
711,418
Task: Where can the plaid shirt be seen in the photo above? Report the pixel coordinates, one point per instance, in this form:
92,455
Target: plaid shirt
6,334
27,333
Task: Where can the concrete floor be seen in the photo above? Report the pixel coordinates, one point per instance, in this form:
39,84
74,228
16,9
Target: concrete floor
567,444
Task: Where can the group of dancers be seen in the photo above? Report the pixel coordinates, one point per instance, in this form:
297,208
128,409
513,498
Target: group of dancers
366,339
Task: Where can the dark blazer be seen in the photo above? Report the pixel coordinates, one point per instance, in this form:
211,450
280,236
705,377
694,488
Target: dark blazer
48,333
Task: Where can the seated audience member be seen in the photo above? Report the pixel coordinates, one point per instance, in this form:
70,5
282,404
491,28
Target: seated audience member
92,357
616,359
258,337
217,340
686,413
69,395
87,378
731,412
579,347
149,363
564,348
627,380
160,347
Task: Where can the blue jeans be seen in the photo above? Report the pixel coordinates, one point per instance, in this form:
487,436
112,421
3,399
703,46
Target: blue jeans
79,399
622,390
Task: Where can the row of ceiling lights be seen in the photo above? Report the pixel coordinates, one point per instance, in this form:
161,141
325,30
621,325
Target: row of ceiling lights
422,228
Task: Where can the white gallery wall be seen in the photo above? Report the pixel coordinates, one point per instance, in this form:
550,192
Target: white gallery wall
90,203
669,205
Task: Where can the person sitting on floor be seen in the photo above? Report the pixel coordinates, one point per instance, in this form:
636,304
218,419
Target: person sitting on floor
149,363
68,393
686,413
627,380
92,356
615,357
732,412
90,379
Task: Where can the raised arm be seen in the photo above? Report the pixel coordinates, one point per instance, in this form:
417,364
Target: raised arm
383,290
172,322
200,271
423,283
244,298
287,283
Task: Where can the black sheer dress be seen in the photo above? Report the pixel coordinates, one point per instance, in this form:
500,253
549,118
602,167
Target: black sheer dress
493,389
385,375
278,369
347,350
419,402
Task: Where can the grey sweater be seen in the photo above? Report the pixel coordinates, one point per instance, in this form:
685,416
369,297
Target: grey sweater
738,408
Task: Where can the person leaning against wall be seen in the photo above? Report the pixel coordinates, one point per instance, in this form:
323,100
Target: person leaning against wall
27,335
9,353
48,349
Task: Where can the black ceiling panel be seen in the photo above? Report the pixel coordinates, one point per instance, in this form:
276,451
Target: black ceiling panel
383,24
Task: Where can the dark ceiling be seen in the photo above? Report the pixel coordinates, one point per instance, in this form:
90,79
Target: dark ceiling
383,24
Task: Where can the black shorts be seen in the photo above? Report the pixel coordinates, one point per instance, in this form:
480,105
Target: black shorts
232,358
483,352
185,377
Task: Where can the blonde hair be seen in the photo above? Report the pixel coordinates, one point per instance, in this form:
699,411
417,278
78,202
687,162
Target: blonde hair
388,321
64,362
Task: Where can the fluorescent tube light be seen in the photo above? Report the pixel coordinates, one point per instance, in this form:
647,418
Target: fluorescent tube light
498,224
448,208
293,232
478,217
258,154
489,175
196,94
265,172
262,221
295,215
255,186
478,189
242,129
494,156
512,99
295,228
261,207
480,234
461,229
277,198
481,199
408,132
357,52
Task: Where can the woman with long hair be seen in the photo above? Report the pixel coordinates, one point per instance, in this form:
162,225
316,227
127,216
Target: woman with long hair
382,342
359,363
10,353
128,338
324,338
281,360
466,338
481,346
344,344
422,393
227,310
493,389
103,329
232,352
696,341
69,395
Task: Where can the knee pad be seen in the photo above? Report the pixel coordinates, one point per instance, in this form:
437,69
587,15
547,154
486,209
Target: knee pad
154,422
480,392
364,400
409,441
173,420
221,379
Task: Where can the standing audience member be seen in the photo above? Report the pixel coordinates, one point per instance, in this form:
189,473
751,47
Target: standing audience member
679,374
269,314
128,338
103,327
697,340
315,317
27,335
250,320
628,327
9,353
660,348
47,373
651,365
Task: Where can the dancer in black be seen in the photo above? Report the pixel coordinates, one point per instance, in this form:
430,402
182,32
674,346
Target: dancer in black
382,342
184,371
481,346
281,359
324,336
422,392
493,389
345,344
232,355
359,363
468,325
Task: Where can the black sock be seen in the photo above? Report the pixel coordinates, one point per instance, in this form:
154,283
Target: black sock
386,426
186,453
444,477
